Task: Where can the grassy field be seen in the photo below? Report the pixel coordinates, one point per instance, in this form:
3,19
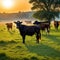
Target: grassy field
12,48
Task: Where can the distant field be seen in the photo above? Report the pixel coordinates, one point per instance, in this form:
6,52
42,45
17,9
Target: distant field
12,48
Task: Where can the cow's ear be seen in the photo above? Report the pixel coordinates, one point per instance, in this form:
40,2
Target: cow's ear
15,22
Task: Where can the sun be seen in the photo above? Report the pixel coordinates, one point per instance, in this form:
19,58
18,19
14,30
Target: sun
7,3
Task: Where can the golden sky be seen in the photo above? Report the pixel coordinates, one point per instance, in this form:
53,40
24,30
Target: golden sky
17,5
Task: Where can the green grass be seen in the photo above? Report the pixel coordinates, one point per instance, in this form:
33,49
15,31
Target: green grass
12,48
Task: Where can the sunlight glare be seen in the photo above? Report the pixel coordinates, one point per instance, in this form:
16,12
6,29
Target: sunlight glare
7,3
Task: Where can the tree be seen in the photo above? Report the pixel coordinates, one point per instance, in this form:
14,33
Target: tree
45,9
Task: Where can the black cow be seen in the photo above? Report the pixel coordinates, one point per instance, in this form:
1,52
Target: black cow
28,30
43,25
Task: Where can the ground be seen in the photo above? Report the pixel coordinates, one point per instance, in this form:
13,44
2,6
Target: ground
12,48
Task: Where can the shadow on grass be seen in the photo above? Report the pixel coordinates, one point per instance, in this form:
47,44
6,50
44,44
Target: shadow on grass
4,43
43,50
53,38
3,56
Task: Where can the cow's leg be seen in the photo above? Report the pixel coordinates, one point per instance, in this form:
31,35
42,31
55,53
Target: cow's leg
8,29
57,27
48,30
11,28
38,36
23,37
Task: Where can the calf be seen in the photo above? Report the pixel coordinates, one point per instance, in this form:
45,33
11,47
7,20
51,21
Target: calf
9,26
28,30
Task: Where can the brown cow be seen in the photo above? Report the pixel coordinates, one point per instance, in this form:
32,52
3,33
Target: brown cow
43,25
9,26
56,25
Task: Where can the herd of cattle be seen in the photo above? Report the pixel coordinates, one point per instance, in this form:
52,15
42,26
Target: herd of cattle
32,29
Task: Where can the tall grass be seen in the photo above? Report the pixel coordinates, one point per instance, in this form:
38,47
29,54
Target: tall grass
12,48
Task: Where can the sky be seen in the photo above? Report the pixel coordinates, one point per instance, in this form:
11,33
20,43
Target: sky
11,6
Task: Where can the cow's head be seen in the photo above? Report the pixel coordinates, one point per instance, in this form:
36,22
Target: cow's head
18,23
6,24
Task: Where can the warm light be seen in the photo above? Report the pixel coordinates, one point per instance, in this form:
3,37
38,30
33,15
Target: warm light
7,3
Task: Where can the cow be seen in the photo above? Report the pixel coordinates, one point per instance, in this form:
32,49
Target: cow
9,26
56,25
43,25
28,30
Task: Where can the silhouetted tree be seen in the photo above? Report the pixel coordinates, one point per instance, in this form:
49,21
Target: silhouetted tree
45,9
